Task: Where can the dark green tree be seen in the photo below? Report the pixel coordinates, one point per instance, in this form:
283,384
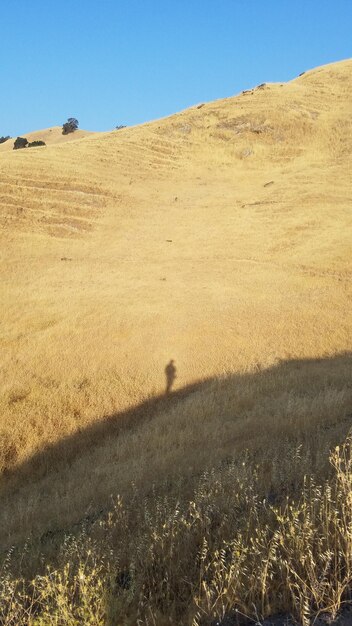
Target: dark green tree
21,142
70,126
33,144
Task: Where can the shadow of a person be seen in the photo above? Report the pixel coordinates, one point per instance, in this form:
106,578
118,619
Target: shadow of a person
170,373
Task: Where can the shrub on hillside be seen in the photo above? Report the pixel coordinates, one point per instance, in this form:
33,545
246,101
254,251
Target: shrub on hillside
3,139
34,144
70,126
20,142
119,127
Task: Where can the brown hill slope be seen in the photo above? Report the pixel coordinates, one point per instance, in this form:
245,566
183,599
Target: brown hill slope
219,237
50,136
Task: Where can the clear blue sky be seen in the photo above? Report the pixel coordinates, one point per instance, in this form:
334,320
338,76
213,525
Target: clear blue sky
110,62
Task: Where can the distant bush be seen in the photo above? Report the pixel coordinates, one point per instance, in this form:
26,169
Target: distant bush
119,127
21,142
3,139
70,126
33,144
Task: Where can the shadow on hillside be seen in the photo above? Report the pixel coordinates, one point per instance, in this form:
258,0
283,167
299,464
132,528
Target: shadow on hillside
285,380
65,451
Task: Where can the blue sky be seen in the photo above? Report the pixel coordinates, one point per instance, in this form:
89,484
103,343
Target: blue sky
110,62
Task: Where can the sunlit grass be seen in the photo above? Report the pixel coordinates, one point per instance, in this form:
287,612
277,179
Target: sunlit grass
220,238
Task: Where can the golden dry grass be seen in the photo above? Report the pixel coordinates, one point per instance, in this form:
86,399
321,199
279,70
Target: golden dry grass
219,237
224,558
50,136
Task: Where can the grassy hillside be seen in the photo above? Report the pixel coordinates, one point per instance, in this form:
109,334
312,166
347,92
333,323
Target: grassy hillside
50,136
219,237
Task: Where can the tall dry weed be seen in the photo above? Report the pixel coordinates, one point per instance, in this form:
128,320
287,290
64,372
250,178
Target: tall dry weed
227,553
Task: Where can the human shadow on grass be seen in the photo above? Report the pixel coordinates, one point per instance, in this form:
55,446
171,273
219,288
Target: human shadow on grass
170,374
287,380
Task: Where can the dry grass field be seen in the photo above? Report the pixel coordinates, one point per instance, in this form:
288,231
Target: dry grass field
50,136
221,238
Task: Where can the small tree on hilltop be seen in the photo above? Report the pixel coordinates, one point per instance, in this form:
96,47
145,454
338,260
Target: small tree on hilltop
70,126
21,142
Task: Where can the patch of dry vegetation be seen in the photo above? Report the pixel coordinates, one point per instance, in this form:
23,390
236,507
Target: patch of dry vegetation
225,556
